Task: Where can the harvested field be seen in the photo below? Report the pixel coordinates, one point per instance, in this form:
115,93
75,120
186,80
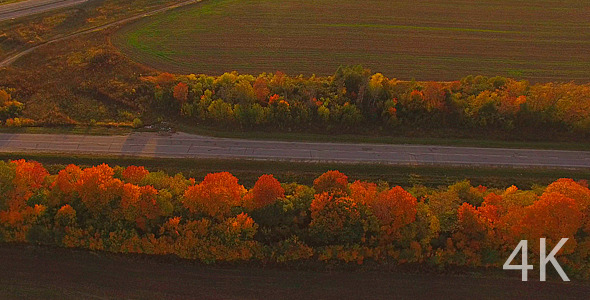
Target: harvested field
30,272
428,40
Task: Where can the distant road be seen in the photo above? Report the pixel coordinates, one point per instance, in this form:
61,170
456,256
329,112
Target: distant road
183,145
31,7
14,57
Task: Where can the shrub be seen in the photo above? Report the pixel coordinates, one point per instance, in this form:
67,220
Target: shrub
137,123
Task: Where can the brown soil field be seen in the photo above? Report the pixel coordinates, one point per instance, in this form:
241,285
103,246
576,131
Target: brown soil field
428,40
30,272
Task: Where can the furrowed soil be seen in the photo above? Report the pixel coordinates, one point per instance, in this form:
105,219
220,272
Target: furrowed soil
30,272
429,40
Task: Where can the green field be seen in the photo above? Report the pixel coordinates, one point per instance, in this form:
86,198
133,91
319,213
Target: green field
539,40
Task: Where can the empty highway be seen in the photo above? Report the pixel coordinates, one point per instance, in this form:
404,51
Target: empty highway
181,145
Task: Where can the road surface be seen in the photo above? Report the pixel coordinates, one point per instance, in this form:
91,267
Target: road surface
182,145
32,7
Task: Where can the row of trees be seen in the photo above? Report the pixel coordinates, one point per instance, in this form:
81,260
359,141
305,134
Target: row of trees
353,98
131,210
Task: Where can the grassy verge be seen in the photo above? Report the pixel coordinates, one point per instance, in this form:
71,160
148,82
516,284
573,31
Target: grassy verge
315,137
248,171
383,139
89,130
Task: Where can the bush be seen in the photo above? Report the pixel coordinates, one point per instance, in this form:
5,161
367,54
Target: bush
137,123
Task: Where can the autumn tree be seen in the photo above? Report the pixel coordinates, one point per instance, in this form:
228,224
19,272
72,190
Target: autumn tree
134,174
554,216
434,96
363,192
261,89
571,189
143,205
181,92
220,111
164,78
29,177
331,182
66,216
444,205
395,209
66,180
215,196
266,191
474,236
339,220
98,189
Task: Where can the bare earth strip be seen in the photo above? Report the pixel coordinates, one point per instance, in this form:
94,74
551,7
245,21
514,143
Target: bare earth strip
31,7
194,146
45,273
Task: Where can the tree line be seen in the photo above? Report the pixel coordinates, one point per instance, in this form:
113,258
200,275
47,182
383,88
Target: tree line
355,100
335,221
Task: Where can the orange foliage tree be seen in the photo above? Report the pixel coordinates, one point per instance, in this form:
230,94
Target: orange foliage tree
266,191
571,189
98,189
554,217
331,182
395,209
261,89
180,92
29,176
215,196
67,178
363,192
141,205
133,174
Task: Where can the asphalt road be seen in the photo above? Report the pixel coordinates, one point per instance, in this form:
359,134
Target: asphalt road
181,145
31,7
